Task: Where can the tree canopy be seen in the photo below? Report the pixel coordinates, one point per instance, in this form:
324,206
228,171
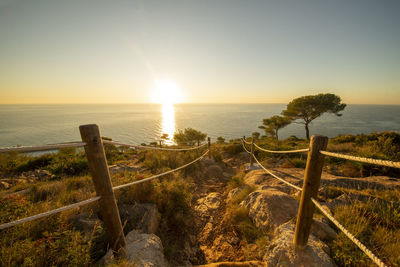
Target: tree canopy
189,137
273,124
308,108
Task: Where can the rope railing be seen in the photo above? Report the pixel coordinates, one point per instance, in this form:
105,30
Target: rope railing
150,147
282,151
42,148
269,172
368,252
161,174
381,162
85,202
244,140
48,213
277,151
277,177
244,147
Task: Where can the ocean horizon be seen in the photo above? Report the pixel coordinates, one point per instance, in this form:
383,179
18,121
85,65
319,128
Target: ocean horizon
38,124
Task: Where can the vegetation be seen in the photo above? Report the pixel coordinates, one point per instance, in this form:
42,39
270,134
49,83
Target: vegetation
274,124
54,240
255,135
220,140
308,108
375,223
189,137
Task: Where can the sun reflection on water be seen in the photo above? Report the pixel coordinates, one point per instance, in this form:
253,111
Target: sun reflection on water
168,122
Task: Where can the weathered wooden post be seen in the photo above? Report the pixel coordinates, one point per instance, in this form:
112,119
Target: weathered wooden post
312,177
252,152
209,147
101,178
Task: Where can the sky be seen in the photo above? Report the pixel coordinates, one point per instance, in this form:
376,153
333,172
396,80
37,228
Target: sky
217,51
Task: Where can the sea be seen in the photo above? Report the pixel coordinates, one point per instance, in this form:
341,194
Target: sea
29,125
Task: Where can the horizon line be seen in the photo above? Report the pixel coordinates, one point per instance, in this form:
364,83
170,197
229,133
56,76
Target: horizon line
182,103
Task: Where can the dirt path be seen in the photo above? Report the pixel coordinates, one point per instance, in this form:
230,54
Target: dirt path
214,232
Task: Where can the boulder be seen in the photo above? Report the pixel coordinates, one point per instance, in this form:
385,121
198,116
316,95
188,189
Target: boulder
270,208
144,250
281,251
142,217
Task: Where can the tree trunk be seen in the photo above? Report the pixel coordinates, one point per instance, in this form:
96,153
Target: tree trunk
276,135
307,131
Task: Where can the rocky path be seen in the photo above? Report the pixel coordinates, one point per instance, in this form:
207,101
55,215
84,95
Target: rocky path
215,233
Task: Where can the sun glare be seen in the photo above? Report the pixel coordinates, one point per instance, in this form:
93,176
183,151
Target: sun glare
166,92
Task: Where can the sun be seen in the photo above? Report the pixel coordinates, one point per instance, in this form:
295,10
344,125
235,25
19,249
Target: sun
166,92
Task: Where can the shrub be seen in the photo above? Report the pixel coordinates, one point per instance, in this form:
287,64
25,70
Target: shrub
233,149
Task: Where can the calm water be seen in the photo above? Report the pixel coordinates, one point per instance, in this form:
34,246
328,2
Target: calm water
138,123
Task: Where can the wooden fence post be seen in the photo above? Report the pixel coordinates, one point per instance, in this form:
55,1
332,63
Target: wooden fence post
101,178
252,152
312,177
209,147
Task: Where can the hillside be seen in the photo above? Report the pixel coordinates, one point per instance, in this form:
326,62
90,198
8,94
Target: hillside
210,213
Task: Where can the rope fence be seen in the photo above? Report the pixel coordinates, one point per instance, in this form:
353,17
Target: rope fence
161,174
277,177
363,248
97,163
381,162
85,202
244,147
282,151
48,213
368,252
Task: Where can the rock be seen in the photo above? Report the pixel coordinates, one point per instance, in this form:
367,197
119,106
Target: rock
281,251
256,178
86,222
206,204
142,217
270,208
214,171
4,185
322,231
144,250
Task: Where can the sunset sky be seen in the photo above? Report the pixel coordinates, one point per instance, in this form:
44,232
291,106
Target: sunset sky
211,51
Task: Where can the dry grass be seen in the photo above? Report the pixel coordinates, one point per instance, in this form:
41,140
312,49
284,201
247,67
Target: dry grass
375,223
